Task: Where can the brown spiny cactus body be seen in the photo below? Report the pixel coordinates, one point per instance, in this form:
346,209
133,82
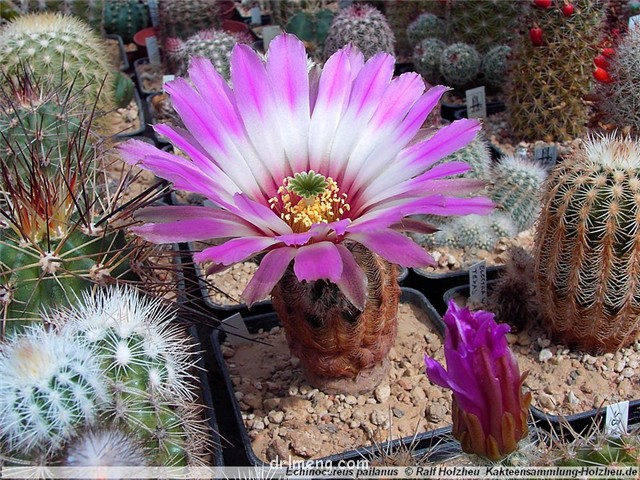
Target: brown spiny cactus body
341,349
587,269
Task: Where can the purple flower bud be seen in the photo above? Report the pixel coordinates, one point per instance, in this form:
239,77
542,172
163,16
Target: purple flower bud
489,409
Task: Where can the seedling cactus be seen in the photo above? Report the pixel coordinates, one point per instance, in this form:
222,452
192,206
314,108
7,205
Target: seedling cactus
109,447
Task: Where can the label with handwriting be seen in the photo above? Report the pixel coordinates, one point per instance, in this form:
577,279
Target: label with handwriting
476,103
478,282
616,418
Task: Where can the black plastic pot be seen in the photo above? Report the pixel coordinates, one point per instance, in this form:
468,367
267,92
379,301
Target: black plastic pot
141,117
136,67
124,60
233,428
492,107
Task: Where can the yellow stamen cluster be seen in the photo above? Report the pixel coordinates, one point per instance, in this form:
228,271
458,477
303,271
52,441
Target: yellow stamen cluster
300,212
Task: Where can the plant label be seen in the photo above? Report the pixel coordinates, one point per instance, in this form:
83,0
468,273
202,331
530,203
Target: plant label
236,329
634,22
167,78
616,418
546,155
478,282
476,103
153,51
256,15
153,12
269,32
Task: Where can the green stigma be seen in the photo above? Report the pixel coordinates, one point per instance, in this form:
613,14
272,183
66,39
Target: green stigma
307,184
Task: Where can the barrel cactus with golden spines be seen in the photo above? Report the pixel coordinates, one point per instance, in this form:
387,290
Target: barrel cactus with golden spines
587,268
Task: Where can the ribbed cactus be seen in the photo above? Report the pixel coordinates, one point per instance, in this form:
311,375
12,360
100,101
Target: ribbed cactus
312,27
362,25
515,189
51,386
587,265
125,18
148,359
619,99
181,19
426,25
460,64
426,59
551,70
104,447
54,45
216,45
482,23
495,66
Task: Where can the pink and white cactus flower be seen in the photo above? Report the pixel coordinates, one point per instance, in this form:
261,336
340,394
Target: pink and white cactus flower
297,160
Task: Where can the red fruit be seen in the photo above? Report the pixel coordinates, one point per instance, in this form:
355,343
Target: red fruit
601,61
535,34
542,3
608,52
568,9
601,75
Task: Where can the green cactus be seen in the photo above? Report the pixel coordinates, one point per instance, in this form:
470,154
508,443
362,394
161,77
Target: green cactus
482,23
426,59
51,386
495,66
619,100
57,46
472,231
551,71
312,27
89,11
362,25
148,359
216,45
427,25
182,19
400,15
125,18
587,265
515,188
459,64
599,449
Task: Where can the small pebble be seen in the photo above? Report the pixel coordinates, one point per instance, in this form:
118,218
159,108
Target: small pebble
545,355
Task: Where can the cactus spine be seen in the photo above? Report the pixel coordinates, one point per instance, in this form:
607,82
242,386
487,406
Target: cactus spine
495,66
587,265
182,19
426,59
110,447
365,27
51,385
125,18
549,75
460,64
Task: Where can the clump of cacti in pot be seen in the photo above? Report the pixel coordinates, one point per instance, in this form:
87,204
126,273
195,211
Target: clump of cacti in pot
362,25
495,66
426,25
427,57
618,92
125,18
215,45
56,46
460,64
59,215
587,266
549,77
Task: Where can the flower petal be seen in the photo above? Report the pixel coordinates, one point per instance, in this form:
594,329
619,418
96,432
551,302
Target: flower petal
270,271
394,247
318,261
236,250
353,282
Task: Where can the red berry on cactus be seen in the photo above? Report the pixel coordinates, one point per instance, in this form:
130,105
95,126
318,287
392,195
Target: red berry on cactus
601,61
608,52
535,34
542,3
601,75
568,9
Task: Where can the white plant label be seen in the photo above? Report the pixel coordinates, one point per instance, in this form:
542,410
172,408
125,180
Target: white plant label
269,32
236,329
478,282
256,15
476,103
634,22
153,51
167,78
616,418
153,12
546,155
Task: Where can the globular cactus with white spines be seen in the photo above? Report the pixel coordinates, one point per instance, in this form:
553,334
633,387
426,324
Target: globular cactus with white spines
495,66
472,231
364,26
619,100
148,359
587,270
51,387
426,59
426,25
460,64
515,188
215,45
108,447
54,45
